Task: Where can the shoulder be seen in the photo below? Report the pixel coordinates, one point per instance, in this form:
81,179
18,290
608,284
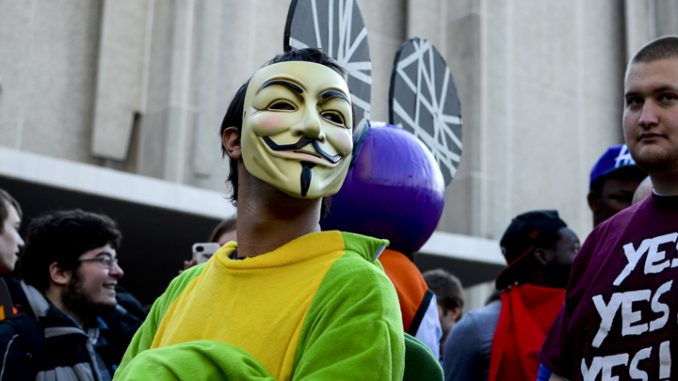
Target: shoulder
474,321
355,271
22,347
359,259
11,326
616,224
182,280
490,311
602,238
474,331
353,281
367,247
20,323
175,288
468,345
20,333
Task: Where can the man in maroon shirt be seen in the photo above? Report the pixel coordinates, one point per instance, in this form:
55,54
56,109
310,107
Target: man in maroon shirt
619,318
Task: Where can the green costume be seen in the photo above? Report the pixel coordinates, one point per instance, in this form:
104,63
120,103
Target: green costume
317,308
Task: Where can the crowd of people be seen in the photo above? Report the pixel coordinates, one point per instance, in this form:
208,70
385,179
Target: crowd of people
64,315
289,301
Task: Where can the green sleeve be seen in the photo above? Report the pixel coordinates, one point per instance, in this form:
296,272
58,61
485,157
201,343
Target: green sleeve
353,330
143,339
194,360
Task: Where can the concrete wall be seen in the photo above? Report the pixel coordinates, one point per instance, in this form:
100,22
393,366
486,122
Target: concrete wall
541,98
48,56
141,86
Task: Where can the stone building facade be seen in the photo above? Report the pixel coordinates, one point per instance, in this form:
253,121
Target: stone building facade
140,86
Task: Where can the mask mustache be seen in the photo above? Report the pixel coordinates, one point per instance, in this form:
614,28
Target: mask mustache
301,143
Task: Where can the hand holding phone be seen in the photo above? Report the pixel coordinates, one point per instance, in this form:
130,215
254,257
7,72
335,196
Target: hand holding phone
204,250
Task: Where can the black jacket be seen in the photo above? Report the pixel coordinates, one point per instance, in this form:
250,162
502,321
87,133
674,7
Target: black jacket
51,347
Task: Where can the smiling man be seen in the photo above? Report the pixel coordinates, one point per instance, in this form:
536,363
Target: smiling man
70,271
287,301
619,317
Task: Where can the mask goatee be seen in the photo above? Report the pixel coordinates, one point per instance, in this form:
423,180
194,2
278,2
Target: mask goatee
305,178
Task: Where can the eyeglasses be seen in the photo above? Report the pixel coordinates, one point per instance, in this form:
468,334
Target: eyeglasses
105,260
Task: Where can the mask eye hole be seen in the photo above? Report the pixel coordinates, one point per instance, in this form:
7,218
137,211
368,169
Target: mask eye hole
333,117
282,106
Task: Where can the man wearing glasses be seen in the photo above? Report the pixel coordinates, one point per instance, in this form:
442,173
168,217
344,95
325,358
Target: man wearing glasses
70,271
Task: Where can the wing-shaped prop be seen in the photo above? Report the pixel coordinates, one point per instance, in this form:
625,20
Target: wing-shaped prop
423,100
336,27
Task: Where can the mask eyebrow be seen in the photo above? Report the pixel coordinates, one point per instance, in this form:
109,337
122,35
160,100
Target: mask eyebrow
333,93
290,85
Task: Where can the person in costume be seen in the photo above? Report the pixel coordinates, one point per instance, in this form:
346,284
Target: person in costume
619,317
501,340
286,301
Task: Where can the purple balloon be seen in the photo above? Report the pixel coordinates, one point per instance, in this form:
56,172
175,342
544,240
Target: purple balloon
394,190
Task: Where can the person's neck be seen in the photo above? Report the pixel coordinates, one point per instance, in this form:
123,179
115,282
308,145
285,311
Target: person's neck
54,296
665,183
542,278
269,220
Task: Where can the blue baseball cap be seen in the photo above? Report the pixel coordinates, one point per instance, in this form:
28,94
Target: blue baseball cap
615,158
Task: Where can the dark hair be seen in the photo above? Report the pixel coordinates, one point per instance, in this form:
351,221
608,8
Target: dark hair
222,227
234,114
661,48
63,237
447,288
526,233
7,200
233,118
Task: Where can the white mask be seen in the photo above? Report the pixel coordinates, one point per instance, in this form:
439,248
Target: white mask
297,128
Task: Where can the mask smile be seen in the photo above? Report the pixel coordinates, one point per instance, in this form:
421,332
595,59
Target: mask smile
317,152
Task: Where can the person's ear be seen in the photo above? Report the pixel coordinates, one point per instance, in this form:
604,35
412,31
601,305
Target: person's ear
58,275
544,257
230,140
594,201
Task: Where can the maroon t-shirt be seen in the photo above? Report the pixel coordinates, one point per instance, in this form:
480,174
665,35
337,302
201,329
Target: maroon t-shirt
620,318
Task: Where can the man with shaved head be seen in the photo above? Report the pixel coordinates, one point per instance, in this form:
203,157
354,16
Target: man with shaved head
619,317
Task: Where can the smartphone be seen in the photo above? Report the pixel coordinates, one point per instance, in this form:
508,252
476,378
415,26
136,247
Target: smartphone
204,250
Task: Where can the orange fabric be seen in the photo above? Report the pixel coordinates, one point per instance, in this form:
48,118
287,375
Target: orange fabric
527,312
2,312
408,282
